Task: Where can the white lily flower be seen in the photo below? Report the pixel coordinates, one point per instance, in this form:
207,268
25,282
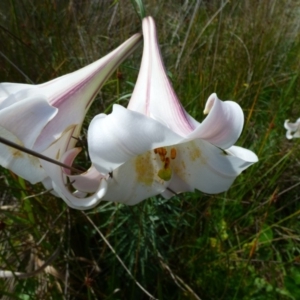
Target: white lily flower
47,118
155,146
293,129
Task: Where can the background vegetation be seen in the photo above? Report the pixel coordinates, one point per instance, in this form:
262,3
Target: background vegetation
242,244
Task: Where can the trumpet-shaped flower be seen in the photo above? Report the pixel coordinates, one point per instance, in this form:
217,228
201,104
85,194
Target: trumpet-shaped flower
293,129
155,146
47,118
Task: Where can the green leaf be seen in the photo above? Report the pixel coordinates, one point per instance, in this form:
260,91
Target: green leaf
266,236
292,287
139,8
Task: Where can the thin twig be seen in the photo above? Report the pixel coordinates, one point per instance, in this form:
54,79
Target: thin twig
118,257
188,32
50,228
67,274
11,274
16,67
36,154
288,189
204,28
176,278
180,22
171,191
250,73
112,17
39,194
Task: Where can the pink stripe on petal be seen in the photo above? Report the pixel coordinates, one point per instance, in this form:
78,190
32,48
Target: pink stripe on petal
153,94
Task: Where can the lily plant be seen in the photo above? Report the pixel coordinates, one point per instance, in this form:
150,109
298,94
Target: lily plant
155,147
47,119
293,129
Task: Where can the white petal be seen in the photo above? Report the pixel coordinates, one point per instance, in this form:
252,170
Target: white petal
176,186
136,180
59,179
22,123
223,125
292,126
22,164
47,183
153,94
122,135
243,154
289,135
7,89
75,200
207,168
293,129
27,119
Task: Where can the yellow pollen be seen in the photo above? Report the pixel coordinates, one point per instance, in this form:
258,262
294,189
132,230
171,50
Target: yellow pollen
144,169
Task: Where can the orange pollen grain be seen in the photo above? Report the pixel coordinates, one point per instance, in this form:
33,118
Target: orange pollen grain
173,153
162,152
167,163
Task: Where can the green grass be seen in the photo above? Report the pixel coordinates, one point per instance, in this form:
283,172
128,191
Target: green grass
242,244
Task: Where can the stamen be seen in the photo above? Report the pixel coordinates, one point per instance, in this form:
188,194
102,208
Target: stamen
173,153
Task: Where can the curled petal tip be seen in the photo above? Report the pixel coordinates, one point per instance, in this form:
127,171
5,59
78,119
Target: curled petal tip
209,103
286,124
293,129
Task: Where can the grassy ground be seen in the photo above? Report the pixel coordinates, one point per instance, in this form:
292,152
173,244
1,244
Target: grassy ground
242,244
